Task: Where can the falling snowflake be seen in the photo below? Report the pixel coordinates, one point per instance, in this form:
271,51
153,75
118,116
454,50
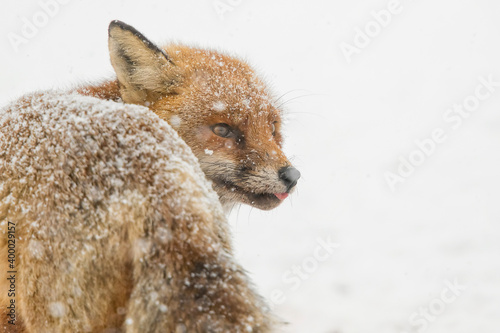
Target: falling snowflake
57,309
175,121
219,106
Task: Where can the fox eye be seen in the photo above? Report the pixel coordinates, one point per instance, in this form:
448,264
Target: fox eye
273,128
222,130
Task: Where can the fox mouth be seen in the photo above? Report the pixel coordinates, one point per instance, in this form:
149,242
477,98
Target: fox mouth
265,200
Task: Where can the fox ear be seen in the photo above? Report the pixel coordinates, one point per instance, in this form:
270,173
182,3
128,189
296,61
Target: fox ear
144,71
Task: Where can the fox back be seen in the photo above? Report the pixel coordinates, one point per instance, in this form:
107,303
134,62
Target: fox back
115,225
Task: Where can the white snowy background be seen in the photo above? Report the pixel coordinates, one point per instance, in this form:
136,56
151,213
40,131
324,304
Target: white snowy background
351,121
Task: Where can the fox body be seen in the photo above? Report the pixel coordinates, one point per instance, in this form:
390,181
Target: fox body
116,228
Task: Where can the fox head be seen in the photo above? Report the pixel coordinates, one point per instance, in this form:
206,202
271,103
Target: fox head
219,107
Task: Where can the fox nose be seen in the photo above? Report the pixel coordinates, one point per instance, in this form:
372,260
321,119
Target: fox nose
289,175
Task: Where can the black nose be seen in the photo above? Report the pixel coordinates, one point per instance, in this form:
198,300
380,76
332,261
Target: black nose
289,175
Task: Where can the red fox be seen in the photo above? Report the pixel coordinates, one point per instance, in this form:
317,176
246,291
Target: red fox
109,223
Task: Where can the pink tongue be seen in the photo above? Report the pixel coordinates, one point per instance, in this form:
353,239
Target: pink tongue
281,196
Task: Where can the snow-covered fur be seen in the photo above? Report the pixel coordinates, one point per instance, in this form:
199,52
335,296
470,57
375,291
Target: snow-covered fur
116,226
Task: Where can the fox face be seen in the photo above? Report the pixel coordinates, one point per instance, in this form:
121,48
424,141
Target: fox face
219,107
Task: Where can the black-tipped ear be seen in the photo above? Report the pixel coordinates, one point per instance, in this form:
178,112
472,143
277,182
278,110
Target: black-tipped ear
143,69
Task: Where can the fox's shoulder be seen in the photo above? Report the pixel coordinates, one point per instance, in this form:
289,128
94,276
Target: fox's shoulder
72,116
